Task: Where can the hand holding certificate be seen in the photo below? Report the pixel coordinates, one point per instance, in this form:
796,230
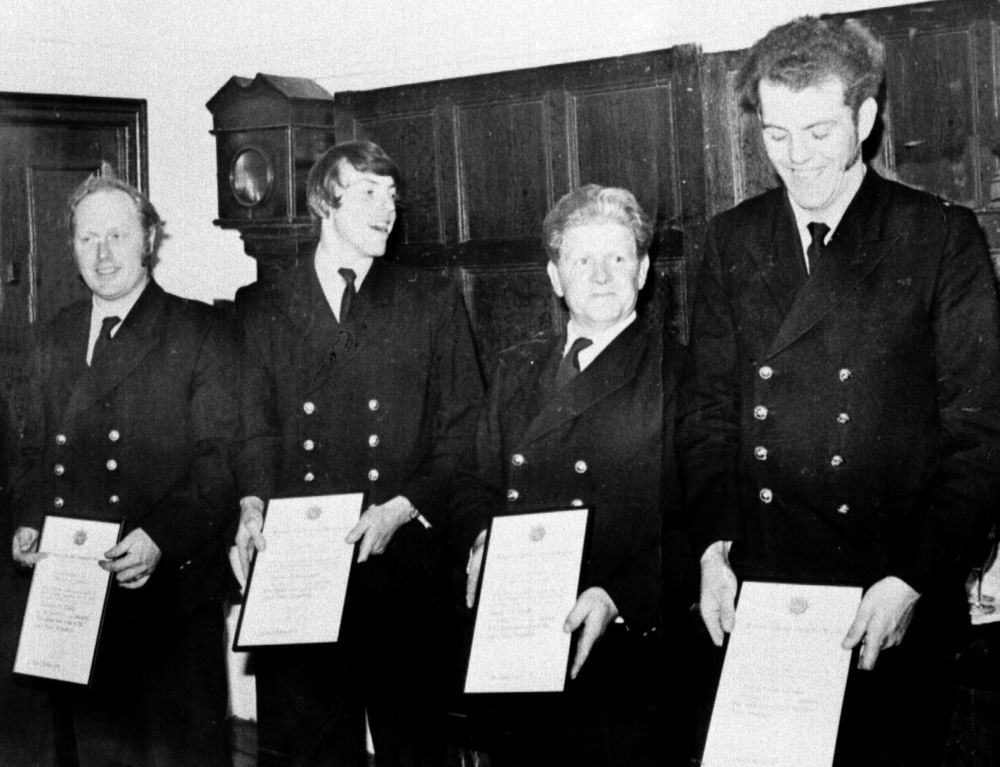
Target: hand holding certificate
297,585
530,580
782,686
65,607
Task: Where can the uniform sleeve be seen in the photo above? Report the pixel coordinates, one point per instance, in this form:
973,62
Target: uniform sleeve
202,509
260,433
708,412
964,493
25,478
455,395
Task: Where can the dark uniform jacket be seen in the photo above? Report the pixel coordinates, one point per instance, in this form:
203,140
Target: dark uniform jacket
143,437
596,442
385,403
844,426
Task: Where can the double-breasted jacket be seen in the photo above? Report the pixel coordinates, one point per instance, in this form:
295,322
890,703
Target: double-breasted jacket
384,403
844,425
144,437
598,441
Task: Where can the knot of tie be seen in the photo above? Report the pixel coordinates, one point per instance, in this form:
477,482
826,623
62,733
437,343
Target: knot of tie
103,338
569,365
350,292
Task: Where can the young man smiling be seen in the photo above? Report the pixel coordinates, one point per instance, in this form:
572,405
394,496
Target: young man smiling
839,413
359,374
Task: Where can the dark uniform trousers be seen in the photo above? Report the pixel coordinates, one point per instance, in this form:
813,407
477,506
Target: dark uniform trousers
144,438
844,426
384,403
604,441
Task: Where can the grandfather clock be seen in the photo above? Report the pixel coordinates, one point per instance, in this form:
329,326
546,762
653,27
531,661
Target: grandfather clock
268,132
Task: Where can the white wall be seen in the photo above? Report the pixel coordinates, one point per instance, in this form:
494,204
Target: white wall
177,54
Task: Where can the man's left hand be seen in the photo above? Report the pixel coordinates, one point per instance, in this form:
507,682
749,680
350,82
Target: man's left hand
594,610
377,526
883,616
133,559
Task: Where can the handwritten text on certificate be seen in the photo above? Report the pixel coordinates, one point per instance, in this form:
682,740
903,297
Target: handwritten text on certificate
298,584
62,618
782,686
530,579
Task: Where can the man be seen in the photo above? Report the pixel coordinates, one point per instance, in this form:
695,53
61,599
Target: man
572,419
839,413
136,418
360,374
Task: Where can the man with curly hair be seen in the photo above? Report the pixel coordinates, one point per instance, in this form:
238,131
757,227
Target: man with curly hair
839,413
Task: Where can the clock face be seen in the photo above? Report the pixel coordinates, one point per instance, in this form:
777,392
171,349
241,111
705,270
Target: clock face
251,177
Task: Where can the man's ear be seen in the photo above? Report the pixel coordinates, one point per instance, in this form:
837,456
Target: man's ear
867,113
643,271
553,272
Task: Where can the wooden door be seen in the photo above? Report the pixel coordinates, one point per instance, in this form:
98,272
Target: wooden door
48,145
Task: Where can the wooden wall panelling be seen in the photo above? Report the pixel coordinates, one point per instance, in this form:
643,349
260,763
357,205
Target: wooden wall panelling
485,157
941,116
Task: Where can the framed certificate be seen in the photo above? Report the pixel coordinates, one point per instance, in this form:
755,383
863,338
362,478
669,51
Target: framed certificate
67,600
783,678
297,585
529,582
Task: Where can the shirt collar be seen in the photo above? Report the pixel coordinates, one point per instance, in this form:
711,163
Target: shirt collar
601,339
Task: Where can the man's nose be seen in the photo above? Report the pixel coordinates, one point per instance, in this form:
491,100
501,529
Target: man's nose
799,149
600,272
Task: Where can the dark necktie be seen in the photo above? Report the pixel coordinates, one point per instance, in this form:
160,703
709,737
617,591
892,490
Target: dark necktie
817,247
103,338
569,365
350,293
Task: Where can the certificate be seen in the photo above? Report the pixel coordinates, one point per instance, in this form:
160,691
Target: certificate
66,601
782,686
530,581
297,585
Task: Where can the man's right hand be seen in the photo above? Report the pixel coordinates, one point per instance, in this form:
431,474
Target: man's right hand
248,534
718,591
24,547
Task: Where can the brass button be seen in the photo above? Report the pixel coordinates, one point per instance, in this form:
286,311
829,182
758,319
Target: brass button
836,461
308,445
308,408
373,404
760,453
112,464
843,508
113,500
844,374
58,502
59,469
765,372
60,439
577,502
373,440
373,475
114,435
580,467
760,412
309,477
766,496
513,495
517,459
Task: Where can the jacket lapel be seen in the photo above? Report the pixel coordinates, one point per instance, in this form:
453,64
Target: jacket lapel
136,338
856,249
777,251
370,310
612,369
